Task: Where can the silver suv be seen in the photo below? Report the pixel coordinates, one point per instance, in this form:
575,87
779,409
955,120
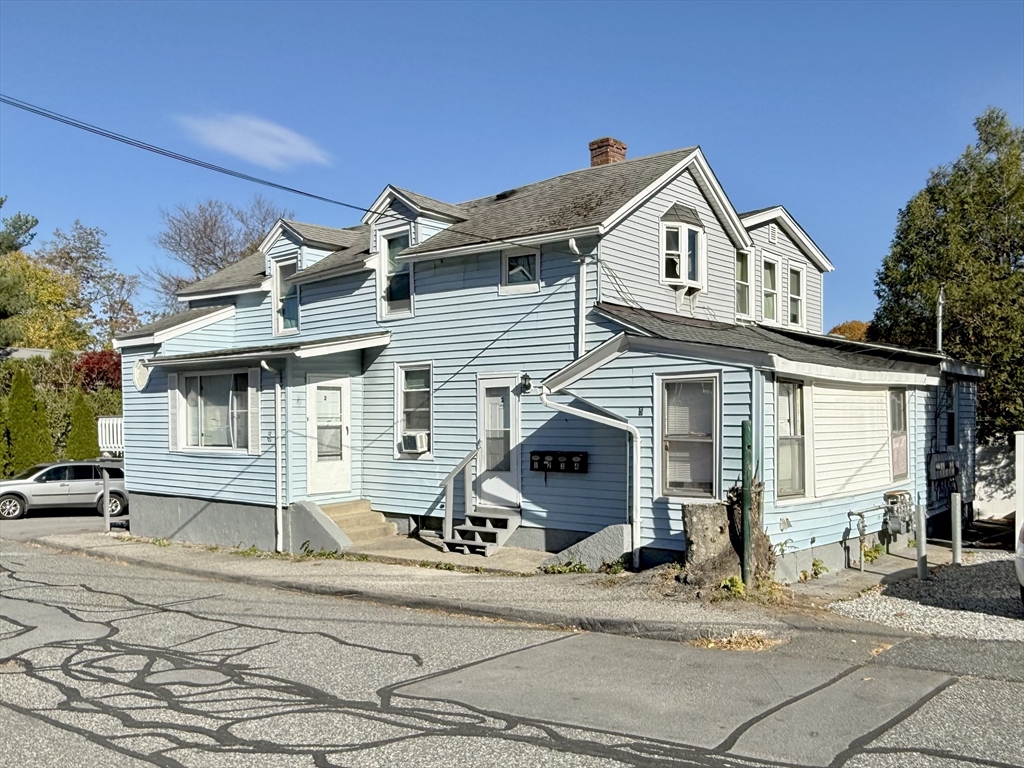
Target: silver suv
63,484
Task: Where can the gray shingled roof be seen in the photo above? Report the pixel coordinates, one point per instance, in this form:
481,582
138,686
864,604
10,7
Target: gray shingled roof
169,322
314,233
283,348
247,273
345,257
797,347
430,204
757,210
578,199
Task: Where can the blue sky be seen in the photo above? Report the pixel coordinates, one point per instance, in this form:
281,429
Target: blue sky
837,111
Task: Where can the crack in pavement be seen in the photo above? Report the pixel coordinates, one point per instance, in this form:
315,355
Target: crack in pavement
170,705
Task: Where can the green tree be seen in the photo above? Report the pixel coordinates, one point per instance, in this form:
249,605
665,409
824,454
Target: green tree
965,231
16,232
13,302
104,296
5,440
83,440
52,316
29,433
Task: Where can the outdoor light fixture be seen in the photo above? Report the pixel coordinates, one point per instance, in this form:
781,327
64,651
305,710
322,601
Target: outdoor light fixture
525,380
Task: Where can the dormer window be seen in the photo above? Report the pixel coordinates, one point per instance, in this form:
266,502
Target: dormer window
286,298
796,297
682,248
398,293
770,297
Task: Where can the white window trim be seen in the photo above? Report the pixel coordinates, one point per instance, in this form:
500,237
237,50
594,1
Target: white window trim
275,265
659,381
954,410
803,295
183,415
702,251
810,493
381,239
766,257
398,423
906,428
506,289
751,283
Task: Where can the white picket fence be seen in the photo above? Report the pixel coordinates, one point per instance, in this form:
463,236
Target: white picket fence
111,434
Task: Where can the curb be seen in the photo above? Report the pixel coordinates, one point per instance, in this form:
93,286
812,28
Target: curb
650,630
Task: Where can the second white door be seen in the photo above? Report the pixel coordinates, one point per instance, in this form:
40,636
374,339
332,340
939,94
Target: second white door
497,482
328,440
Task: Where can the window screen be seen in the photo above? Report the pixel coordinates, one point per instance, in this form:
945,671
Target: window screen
688,426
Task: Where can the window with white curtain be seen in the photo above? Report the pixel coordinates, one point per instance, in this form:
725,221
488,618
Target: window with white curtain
217,411
790,419
688,428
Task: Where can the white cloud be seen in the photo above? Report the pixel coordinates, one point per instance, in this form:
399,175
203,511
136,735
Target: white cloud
255,140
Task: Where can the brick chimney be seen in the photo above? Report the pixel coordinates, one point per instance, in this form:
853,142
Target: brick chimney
606,151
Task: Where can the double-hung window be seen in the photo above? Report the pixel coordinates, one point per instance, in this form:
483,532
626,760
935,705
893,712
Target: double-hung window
898,432
952,427
743,284
689,436
416,404
217,411
520,272
680,255
770,290
286,296
796,297
398,291
790,420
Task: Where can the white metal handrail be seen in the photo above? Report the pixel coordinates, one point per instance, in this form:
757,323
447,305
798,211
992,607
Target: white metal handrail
467,488
111,434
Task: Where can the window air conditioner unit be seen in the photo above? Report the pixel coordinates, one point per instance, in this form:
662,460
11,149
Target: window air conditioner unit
414,442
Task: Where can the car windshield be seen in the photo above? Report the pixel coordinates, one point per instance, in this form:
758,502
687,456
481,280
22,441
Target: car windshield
26,474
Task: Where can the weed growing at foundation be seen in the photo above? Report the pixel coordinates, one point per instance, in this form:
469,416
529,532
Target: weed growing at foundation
873,552
570,567
161,543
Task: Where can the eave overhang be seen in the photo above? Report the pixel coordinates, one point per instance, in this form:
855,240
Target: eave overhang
300,350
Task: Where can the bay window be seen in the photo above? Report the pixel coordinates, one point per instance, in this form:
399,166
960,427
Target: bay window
681,255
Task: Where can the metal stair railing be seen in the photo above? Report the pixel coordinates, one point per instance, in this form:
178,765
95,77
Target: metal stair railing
467,488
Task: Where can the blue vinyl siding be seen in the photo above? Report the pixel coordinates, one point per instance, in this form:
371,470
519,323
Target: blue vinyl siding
219,335
631,254
626,387
150,467
464,327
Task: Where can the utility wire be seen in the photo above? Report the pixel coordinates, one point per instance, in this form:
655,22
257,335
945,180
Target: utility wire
107,134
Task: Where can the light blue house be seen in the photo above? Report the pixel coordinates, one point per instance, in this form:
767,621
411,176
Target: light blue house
552,360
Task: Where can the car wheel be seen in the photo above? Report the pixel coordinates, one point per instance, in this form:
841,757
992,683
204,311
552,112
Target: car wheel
11,507
118,505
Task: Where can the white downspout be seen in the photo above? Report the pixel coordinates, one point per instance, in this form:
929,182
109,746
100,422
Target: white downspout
278,509
581,303
627,427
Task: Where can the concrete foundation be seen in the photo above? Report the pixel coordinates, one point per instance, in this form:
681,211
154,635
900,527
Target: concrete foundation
229,524
834,557
202,521
605,546
544,539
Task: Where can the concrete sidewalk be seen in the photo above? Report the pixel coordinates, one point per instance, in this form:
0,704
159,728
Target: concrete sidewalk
623,604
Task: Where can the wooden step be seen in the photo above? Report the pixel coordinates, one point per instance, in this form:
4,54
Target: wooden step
470,547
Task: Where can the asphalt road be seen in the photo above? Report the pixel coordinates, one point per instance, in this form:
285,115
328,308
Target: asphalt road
115,665
48,522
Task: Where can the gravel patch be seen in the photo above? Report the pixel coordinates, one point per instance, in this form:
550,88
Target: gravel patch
979,600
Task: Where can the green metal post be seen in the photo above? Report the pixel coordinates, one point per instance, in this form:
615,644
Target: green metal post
748,482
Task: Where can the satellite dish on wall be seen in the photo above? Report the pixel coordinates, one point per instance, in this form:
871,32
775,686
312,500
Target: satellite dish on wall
140,374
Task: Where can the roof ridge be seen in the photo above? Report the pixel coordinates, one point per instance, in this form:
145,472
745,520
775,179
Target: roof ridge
590,168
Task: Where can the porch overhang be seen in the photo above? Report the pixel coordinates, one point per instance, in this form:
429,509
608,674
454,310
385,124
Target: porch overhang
300,350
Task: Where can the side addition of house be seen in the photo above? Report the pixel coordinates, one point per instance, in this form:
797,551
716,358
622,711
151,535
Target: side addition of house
530,368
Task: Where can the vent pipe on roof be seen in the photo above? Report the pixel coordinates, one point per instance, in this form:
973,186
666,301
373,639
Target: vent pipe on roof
606,151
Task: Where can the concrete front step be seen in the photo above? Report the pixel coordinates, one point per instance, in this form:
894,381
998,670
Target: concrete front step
359,522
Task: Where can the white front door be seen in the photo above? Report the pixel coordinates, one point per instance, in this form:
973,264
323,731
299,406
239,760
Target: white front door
497,482
329,445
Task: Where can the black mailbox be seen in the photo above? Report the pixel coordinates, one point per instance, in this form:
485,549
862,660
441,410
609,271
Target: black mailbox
558,461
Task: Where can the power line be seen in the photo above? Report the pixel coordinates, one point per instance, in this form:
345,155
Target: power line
108,134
